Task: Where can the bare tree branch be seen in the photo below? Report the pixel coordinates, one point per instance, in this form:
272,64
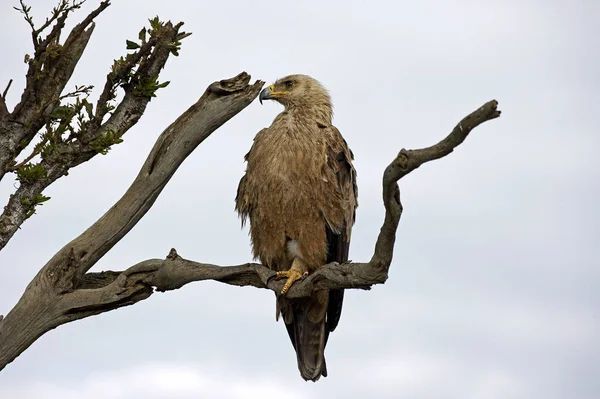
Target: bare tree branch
3,107
64,292
174,272
52,298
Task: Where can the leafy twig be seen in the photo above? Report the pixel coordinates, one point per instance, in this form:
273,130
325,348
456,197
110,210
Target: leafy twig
36,150
59,13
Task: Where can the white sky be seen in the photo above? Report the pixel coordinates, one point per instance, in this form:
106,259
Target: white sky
494,289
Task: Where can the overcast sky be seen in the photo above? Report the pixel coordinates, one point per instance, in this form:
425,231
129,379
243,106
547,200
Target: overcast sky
494,288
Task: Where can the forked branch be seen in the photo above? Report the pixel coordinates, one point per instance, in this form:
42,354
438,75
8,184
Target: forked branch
70,138
174,272
63,291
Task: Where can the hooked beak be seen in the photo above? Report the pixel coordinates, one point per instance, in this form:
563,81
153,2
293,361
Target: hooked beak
269,92
264,94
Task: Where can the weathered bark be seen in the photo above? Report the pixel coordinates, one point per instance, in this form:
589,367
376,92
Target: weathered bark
63,291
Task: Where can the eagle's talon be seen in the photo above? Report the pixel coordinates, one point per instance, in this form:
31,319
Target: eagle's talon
292,276
281,274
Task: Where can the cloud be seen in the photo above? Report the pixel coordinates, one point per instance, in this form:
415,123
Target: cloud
152,381
411,375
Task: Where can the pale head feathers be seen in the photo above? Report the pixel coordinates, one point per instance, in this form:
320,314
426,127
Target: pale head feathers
303,94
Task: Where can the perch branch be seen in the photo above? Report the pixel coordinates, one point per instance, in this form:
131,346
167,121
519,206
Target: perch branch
174,272
104,291
63,291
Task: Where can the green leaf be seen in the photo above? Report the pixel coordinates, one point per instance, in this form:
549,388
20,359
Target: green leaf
41,199
183,35
103,143
31,204
155,23
89,108
131,45
29,173
142,35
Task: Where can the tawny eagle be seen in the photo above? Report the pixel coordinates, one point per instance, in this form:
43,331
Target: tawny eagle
299,193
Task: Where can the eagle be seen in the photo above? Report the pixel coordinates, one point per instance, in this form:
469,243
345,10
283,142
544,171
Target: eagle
299,193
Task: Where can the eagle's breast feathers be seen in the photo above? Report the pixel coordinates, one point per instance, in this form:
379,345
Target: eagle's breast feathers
298,176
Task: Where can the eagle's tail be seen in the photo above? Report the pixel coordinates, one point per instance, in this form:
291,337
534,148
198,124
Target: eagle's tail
308,333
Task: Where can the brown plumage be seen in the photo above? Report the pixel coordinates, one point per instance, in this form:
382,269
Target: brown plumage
299,193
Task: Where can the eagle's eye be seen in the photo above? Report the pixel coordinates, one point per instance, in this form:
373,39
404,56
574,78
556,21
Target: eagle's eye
288,84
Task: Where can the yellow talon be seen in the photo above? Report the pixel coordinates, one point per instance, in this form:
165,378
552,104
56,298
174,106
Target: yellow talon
292,276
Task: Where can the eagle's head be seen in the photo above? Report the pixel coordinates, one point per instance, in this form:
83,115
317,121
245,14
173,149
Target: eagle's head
298,91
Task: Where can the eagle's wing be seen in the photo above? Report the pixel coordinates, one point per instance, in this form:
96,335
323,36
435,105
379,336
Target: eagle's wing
243,203
339,159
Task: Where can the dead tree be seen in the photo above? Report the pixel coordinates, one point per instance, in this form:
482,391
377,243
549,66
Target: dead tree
71,131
